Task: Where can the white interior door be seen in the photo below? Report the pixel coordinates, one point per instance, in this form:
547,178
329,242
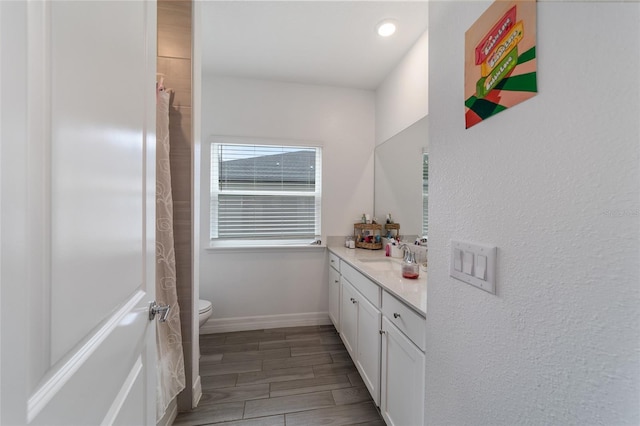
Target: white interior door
77,209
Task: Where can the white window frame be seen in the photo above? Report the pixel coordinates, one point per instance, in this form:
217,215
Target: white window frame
215,191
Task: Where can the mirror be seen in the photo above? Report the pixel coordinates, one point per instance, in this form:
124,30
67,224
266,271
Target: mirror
398,179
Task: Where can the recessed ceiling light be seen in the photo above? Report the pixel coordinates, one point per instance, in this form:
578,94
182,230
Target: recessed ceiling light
386,28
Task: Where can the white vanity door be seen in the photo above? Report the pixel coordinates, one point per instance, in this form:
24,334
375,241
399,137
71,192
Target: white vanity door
349,317
77,212
368,360
402,399
334,297
360,322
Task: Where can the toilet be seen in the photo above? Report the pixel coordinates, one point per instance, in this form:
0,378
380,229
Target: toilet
204,311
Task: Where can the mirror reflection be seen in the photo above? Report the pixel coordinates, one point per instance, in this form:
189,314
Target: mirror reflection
400,179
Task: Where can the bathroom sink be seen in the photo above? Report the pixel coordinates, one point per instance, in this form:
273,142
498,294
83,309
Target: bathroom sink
381,264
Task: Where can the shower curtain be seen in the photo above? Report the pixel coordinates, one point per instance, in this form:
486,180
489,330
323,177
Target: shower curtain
170,369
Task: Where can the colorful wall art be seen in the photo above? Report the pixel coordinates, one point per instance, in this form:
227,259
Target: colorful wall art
500,59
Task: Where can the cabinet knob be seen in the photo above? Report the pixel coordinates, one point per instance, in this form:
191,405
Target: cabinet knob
353,300
336,281
396,315
382,331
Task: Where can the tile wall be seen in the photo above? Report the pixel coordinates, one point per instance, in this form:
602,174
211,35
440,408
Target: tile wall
174,61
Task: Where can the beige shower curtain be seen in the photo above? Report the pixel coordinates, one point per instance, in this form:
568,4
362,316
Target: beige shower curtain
170,369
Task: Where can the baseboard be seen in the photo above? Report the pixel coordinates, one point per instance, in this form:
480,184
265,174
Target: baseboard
170,414
224,325
197,392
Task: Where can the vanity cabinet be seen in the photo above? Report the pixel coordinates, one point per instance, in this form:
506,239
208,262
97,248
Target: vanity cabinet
334,290
385,338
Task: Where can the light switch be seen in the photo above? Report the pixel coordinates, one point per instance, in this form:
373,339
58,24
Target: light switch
457,260
467,263
474,264
481,267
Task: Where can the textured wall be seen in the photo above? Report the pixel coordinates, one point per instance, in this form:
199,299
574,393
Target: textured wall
553,183
174,60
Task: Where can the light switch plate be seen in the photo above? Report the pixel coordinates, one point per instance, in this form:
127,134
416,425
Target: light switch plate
490,252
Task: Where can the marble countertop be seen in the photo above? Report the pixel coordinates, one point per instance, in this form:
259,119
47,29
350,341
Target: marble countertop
387,275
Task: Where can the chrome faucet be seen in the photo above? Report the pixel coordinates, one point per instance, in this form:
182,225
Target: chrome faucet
408,255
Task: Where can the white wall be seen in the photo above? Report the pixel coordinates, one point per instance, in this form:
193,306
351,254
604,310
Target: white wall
281,282
402,98
553,182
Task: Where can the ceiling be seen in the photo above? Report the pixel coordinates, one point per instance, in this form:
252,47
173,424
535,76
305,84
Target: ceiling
311,42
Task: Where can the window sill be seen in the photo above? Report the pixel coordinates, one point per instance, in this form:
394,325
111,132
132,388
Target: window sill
255,245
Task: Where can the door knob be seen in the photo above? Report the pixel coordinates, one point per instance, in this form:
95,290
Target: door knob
155,309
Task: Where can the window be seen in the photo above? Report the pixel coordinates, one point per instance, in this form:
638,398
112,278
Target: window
425,193
265,194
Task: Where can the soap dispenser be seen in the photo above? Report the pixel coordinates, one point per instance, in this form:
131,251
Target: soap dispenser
410,267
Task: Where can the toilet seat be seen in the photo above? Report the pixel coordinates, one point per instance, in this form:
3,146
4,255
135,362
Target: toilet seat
204,306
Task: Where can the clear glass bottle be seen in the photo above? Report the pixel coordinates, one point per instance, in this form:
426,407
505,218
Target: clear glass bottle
410,267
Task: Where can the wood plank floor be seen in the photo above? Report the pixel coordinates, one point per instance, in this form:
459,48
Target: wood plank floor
280,377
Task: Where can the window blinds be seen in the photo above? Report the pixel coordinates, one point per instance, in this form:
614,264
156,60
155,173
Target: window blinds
265,192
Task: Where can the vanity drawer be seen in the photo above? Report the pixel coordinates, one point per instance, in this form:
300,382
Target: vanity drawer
368,288
408,321
334,261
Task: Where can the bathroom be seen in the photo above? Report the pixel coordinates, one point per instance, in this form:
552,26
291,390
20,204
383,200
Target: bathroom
286,286
495,169
552,183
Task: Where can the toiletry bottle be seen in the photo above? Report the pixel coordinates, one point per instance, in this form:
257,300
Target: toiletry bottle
410,267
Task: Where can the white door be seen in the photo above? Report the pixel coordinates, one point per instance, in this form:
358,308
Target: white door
77,207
